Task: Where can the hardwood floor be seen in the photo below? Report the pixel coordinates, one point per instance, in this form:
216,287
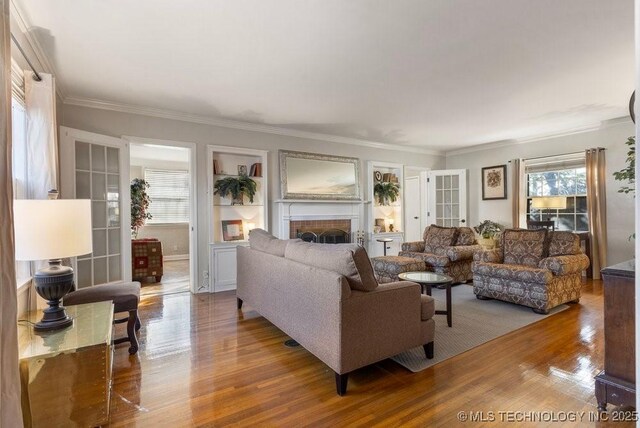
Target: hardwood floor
203,363
174,280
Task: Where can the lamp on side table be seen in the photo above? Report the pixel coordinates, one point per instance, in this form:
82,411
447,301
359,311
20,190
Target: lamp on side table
52,230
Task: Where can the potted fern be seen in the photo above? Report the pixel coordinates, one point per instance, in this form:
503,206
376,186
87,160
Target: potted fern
140,201
237,187
386,192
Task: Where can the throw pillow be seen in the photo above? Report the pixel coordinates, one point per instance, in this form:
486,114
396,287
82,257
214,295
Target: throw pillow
563,243
523,246
465,236
438,238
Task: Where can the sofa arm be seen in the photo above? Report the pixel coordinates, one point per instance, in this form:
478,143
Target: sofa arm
414,247
462,252
488,256
563,265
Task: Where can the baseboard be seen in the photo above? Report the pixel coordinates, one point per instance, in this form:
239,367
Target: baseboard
175,257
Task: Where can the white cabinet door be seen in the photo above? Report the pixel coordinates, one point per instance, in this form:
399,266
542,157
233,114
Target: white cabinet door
447,197
223,265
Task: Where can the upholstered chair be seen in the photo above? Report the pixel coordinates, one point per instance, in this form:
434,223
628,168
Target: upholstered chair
446,250
534,268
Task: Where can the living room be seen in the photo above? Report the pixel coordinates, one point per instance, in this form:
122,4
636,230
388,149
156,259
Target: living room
411,90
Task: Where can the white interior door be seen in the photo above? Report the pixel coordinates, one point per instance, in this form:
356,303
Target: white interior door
412,209
447,197
96,167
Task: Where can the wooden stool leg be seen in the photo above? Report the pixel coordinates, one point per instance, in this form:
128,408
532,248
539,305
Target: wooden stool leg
137,321
131,332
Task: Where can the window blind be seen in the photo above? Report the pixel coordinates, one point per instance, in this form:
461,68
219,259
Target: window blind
169,193
555,163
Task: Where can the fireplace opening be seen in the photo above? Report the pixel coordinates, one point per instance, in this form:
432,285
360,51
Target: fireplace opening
321,231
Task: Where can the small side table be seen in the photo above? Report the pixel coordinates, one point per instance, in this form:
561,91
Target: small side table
66,373
429,279
384,241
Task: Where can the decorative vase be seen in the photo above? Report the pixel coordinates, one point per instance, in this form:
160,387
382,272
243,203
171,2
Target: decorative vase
238,201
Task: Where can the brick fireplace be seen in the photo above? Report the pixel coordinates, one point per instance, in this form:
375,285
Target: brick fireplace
316,217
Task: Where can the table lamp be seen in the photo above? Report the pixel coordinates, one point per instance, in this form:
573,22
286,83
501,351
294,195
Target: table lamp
549,202
52,230
391,222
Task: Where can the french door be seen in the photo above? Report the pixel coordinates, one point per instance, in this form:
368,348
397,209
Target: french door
447,197
96,167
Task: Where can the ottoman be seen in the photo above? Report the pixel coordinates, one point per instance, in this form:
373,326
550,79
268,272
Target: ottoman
387,268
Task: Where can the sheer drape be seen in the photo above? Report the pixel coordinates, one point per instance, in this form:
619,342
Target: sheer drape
517,189
10,411
597,208
42,147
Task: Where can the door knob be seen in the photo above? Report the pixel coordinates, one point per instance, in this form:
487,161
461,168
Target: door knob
462,221
416,218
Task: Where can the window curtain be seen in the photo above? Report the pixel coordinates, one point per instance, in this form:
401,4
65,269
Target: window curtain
597,208
10,411
517,193
42,146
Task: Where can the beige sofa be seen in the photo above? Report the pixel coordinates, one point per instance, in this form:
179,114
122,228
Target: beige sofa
325,297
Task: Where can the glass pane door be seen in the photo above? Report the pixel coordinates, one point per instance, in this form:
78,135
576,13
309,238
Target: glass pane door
97,177
447,198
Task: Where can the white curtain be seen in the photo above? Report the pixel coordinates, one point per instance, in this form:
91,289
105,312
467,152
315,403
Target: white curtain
597,208
42,146
10,411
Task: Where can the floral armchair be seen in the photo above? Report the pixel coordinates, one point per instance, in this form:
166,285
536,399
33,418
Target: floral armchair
534,268
446,250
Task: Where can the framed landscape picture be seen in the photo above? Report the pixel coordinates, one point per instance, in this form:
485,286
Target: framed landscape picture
494,182
232,230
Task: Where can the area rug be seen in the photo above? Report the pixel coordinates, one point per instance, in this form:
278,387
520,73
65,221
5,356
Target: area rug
474,322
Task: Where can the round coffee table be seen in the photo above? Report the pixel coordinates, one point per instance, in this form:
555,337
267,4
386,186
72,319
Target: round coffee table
428,280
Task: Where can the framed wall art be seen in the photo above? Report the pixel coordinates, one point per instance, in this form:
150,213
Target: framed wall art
494,182
232,230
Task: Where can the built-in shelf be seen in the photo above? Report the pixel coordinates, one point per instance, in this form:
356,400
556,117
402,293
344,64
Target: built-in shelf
222,254
385,215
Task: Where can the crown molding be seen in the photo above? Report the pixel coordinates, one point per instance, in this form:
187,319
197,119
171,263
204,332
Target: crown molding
235,124
532,139
36,47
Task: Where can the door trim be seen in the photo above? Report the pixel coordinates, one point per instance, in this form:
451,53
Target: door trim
193,201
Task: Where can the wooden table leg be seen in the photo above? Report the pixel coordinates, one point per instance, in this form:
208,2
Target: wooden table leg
449,311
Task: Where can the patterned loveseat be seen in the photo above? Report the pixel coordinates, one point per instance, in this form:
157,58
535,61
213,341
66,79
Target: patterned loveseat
534,268
446,250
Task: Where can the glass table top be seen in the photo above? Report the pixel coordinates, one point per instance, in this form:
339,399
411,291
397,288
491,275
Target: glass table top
425,277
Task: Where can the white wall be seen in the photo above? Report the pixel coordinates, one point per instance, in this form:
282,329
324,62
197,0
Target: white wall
620,207
117,124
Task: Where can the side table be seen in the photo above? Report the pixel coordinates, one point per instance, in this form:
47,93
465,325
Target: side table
429,279
66,374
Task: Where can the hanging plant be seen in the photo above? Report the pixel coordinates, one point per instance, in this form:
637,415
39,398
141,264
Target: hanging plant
386,192
237,187
140,201
628,173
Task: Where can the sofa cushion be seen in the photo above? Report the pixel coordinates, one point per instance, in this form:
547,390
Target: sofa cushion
465,236
523,246
437,239
513,272
262,240
564,243
349,260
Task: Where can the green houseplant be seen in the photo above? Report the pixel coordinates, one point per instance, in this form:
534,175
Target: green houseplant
628,173
140,201
237,187
386,192
487,231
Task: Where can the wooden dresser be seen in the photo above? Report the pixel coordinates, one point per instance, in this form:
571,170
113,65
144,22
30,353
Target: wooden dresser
616,383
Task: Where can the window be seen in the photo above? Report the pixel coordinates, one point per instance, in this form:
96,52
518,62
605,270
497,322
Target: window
569,182
169,193
19,160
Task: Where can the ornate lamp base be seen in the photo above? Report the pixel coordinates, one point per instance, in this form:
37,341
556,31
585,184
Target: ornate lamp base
52,284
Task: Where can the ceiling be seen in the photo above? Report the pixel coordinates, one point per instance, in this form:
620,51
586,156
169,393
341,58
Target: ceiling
441,74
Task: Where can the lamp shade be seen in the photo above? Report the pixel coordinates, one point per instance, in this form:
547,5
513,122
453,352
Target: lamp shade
549,202
52,229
